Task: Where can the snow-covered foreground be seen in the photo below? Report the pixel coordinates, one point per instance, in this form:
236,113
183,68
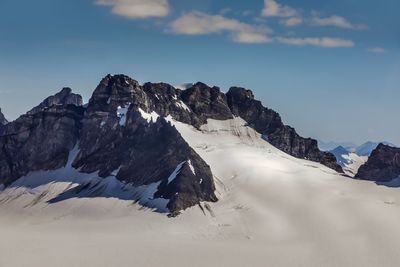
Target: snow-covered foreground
274,210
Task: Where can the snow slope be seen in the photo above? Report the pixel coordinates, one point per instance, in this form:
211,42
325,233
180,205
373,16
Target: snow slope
274,210
353,162
349,161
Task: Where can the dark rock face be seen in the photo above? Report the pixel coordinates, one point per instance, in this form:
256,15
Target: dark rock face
206,103
269,123
382,166
38,142
142,151
193,105
64,97
3,122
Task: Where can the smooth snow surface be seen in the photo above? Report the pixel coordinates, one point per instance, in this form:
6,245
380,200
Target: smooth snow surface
274,210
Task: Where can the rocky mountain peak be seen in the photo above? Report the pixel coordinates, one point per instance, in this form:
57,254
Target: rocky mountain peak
3,120
124,132
64,97
240,93
114,91
382,166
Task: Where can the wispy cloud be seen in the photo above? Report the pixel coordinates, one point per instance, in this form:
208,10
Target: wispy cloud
137,9
290,16
198,23
377,50
336,21
290,22
326,42
273,9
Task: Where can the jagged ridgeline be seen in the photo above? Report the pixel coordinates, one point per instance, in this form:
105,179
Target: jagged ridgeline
124,132
382,166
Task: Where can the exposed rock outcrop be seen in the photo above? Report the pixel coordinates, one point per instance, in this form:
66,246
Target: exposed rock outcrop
382,166
64,97
269,123
115,136
3,122
41,141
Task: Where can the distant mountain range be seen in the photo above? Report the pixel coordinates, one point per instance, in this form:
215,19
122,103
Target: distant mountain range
350,156
361,150
350,161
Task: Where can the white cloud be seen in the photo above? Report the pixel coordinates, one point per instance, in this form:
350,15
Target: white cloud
198,23
377,50
326,42
137,9
337,21
293,21
274,9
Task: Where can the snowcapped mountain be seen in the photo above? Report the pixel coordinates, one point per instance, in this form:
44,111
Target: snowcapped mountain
125,133
101,178
349,161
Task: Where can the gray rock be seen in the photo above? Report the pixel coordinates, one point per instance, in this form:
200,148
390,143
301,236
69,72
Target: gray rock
143,152
382,166
64,97
3,122
41,141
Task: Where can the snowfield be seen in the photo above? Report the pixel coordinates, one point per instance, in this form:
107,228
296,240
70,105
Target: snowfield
274,210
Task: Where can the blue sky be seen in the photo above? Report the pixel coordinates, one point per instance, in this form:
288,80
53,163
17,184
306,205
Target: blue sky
330,68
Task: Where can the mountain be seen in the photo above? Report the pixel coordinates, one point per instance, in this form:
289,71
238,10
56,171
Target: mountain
184,86
331,145
64,97
126,134
382,166
107,173
349,161
367,148
3,121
